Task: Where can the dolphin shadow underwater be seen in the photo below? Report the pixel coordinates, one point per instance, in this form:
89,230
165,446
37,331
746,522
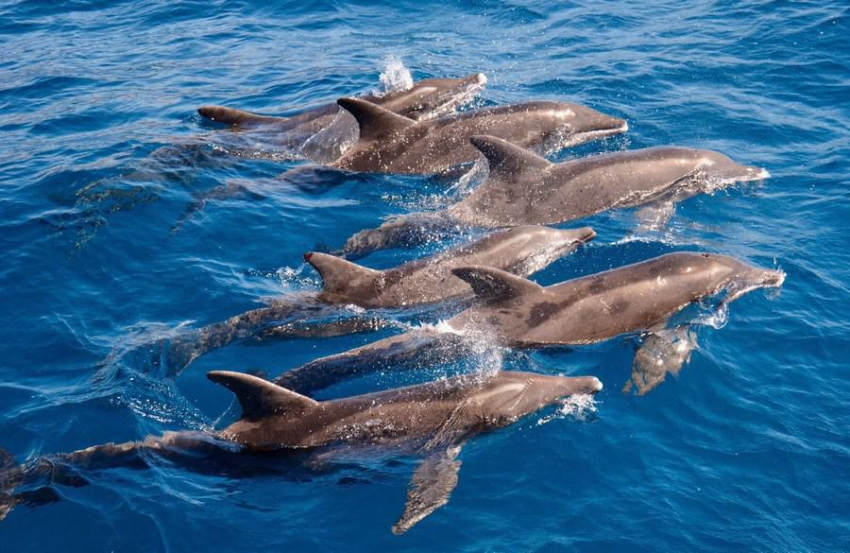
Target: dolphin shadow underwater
430,420
515,312
523,188
422,282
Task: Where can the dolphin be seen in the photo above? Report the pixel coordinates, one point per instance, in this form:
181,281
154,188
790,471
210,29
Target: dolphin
321,133
520,250
523,188
516,312
431,420
390,143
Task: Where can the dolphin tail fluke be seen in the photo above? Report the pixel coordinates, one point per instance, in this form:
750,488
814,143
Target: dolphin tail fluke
430,488
237,117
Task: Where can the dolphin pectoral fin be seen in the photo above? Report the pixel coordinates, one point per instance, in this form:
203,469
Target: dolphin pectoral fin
340,277
507,160
236,117
432,484
494,285
662,352
374,121
223,192
260,397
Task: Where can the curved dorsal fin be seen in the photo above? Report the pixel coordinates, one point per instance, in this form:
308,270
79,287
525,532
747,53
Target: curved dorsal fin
260,398
495,285
375,122
338,274
507,160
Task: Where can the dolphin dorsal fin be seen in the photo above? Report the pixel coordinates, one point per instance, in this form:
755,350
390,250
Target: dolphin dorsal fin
338,274
507,160
375,122
260,398
495,285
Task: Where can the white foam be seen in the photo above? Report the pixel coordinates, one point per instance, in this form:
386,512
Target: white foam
395,75
577,407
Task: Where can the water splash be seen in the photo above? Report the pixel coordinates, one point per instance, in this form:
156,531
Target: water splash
579,407
395,75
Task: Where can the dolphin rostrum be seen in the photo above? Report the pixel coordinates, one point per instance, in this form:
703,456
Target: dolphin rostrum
523,188
430,420
515,312
390,143
522,251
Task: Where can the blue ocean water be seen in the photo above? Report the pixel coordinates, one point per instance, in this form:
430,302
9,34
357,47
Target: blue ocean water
101,153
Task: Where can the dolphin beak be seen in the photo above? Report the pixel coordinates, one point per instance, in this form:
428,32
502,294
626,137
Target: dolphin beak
756,173
586,235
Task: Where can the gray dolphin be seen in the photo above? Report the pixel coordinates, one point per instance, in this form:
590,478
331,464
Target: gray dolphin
431,420
426,99
390,143
521,250
516,312
523,188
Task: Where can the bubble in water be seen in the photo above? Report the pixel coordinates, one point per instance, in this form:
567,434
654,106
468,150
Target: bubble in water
395,75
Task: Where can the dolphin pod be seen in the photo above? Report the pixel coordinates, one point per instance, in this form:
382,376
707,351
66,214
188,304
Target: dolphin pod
515,312
523,188
431,420
415,132
520,250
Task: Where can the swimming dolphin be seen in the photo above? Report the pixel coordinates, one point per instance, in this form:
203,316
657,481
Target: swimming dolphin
390,143
523,188
431,420
516,312
521,250
425,100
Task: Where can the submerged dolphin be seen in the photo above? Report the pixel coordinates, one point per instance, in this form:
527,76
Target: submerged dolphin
523,188
521,250
426,99
432,420
516,312
390,143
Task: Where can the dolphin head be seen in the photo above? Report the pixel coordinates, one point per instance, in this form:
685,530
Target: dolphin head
720,273
432,98
538,246
722,170
511,395
564,125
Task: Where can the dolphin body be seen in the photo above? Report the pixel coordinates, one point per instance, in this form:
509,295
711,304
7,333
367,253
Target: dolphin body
521,250
390,143
523,188
515,312
431,420
425,100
